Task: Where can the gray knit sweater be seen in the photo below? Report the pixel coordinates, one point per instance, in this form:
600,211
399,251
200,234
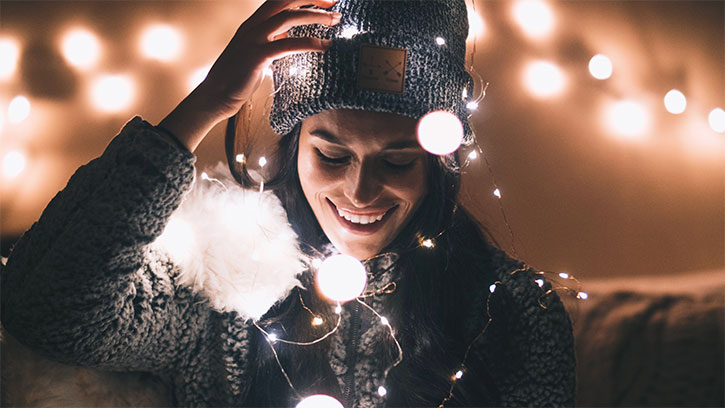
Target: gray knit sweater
83,286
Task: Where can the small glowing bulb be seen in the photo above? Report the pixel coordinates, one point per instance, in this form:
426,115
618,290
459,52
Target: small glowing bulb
112,93
9,55
382,391
534,17
272,337
459,374
349,32
197,77
544,80
564,275
540,282
80,48
13,164
440,132
627,119
497,193
582,295
204,176
262,161
338,309
717,120
161,42
492,288
240,158
600,66
341,278
384,320
18,109
428,243
440,41
319,401
675,102
267,72
473,105
473,155
464,94
317,320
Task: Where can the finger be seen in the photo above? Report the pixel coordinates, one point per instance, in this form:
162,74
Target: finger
273,7
285,20
288,46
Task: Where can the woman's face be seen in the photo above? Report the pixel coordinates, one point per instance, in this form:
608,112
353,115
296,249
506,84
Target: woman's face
363,173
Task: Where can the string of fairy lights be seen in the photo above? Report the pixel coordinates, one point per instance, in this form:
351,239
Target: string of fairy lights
341,278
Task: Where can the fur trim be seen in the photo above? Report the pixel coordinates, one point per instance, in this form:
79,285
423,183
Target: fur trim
234,246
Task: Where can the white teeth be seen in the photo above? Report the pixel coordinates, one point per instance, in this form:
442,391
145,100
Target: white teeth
360,219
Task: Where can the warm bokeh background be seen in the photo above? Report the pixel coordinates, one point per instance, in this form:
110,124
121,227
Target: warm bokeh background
583,192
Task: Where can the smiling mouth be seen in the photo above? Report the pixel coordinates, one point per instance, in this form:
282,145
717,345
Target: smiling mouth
367,223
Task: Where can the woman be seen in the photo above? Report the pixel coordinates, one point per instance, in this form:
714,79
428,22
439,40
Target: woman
91,283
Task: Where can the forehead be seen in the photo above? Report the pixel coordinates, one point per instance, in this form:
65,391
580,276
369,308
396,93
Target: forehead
357,126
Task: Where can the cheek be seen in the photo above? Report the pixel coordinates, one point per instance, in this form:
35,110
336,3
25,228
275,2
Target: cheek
313,178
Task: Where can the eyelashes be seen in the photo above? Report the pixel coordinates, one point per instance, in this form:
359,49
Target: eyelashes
342,160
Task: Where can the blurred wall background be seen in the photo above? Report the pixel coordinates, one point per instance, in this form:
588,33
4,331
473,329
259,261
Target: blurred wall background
596,177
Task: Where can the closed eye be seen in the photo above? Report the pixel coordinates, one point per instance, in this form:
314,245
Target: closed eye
332,160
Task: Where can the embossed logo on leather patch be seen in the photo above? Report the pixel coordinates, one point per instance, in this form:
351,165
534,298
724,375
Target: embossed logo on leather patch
382,68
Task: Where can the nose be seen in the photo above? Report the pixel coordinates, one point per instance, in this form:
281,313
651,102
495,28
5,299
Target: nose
362,185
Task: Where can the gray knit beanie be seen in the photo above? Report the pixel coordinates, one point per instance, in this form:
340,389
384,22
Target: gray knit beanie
402,57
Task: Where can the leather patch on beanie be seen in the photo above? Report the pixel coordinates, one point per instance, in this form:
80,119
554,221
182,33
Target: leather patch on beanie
382,68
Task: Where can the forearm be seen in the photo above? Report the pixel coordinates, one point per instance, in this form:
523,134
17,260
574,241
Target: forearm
75,280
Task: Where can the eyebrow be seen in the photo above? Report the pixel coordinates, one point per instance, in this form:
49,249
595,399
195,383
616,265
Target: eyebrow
397,145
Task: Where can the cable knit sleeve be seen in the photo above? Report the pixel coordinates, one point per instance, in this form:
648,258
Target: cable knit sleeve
530,349
82,285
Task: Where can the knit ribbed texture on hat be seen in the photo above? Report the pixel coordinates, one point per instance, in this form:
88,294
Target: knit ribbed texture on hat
435,74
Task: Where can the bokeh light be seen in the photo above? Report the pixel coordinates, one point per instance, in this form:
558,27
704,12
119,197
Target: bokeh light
543,79
13,164
349,32
627,120
9,54
476,26
440,132
18,109
161,42
600,66
341,278
112,93
716,118
319,401
80,48
197,77
675,102
535,17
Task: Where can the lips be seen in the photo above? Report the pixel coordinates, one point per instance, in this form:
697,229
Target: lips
364,222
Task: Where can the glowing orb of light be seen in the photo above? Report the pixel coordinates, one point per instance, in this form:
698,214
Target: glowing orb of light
543,79
534,17
9,54
382,391
476,26
341,278
600,66
319,401
112,93
161,42
349,32
440,132
717,120
197,77
13,164
80,48
18,109
675,102
440,41
627,119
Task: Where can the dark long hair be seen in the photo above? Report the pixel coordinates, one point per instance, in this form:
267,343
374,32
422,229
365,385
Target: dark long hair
430,302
